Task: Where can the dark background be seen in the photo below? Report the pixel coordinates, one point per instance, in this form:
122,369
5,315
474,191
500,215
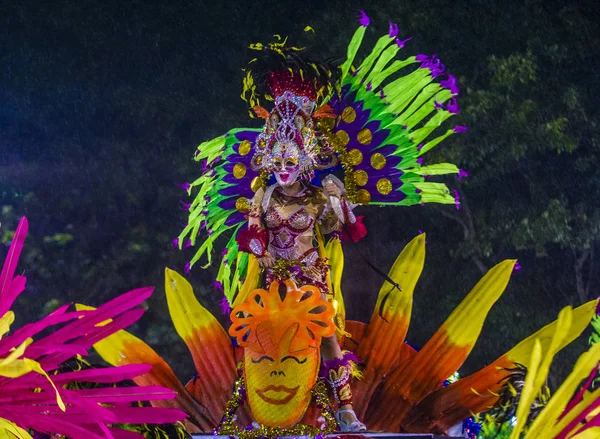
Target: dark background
103,103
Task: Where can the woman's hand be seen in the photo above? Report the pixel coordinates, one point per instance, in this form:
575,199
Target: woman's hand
267,261
332,190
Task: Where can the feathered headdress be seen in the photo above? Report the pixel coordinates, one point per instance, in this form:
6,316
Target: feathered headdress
298,86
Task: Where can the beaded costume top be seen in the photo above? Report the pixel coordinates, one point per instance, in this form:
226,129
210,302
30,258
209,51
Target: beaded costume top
289,219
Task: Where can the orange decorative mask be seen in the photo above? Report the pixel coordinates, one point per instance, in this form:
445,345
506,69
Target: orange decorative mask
281,334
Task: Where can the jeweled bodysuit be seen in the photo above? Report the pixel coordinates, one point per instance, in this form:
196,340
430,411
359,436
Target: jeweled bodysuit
290,222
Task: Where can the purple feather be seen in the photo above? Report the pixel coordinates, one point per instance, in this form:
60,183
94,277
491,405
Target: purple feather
433,63
363,18
456,199
184,186
401,43
452,106
184,206
225,308
450,84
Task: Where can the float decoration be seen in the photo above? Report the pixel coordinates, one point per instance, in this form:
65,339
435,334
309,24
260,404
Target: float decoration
573,412
38,397
413,381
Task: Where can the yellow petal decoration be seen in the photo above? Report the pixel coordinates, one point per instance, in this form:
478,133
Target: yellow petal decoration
206,339
5,322
123,348
544,425
444,353
335,254
9,430
390,320
251,283
13,366
529,390
592,433
478,392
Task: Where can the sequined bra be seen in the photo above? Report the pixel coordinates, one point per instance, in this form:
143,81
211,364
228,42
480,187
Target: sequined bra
283,232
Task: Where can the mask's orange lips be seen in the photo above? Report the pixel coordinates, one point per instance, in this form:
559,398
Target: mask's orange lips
277,395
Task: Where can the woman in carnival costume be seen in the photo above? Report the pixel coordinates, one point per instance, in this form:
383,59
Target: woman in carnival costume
365,119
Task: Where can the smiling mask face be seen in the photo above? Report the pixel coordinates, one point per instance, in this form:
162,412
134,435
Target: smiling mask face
281,331
286,167
279,381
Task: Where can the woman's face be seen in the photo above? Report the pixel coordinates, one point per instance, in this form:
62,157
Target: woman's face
286,167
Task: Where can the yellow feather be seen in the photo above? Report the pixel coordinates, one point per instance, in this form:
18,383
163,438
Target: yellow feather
529,391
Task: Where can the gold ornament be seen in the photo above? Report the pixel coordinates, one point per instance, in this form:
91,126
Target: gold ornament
261,145
228,427
257,183
361,177
348,115
363,196
384,186
239,171
355,157
378,161
325,124
342,137
364,136
244,148
241,204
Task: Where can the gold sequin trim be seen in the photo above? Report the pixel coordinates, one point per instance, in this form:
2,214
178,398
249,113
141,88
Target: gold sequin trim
349,115
363,196
256,184
364,136
239,170
355,157
378,161
384,186
361,177
244,148
342,137
241,204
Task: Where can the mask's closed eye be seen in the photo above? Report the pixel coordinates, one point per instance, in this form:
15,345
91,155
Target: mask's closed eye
289,357
264,357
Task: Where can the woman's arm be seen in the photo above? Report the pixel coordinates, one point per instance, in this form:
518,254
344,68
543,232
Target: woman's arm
255,239
338,213
329,221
